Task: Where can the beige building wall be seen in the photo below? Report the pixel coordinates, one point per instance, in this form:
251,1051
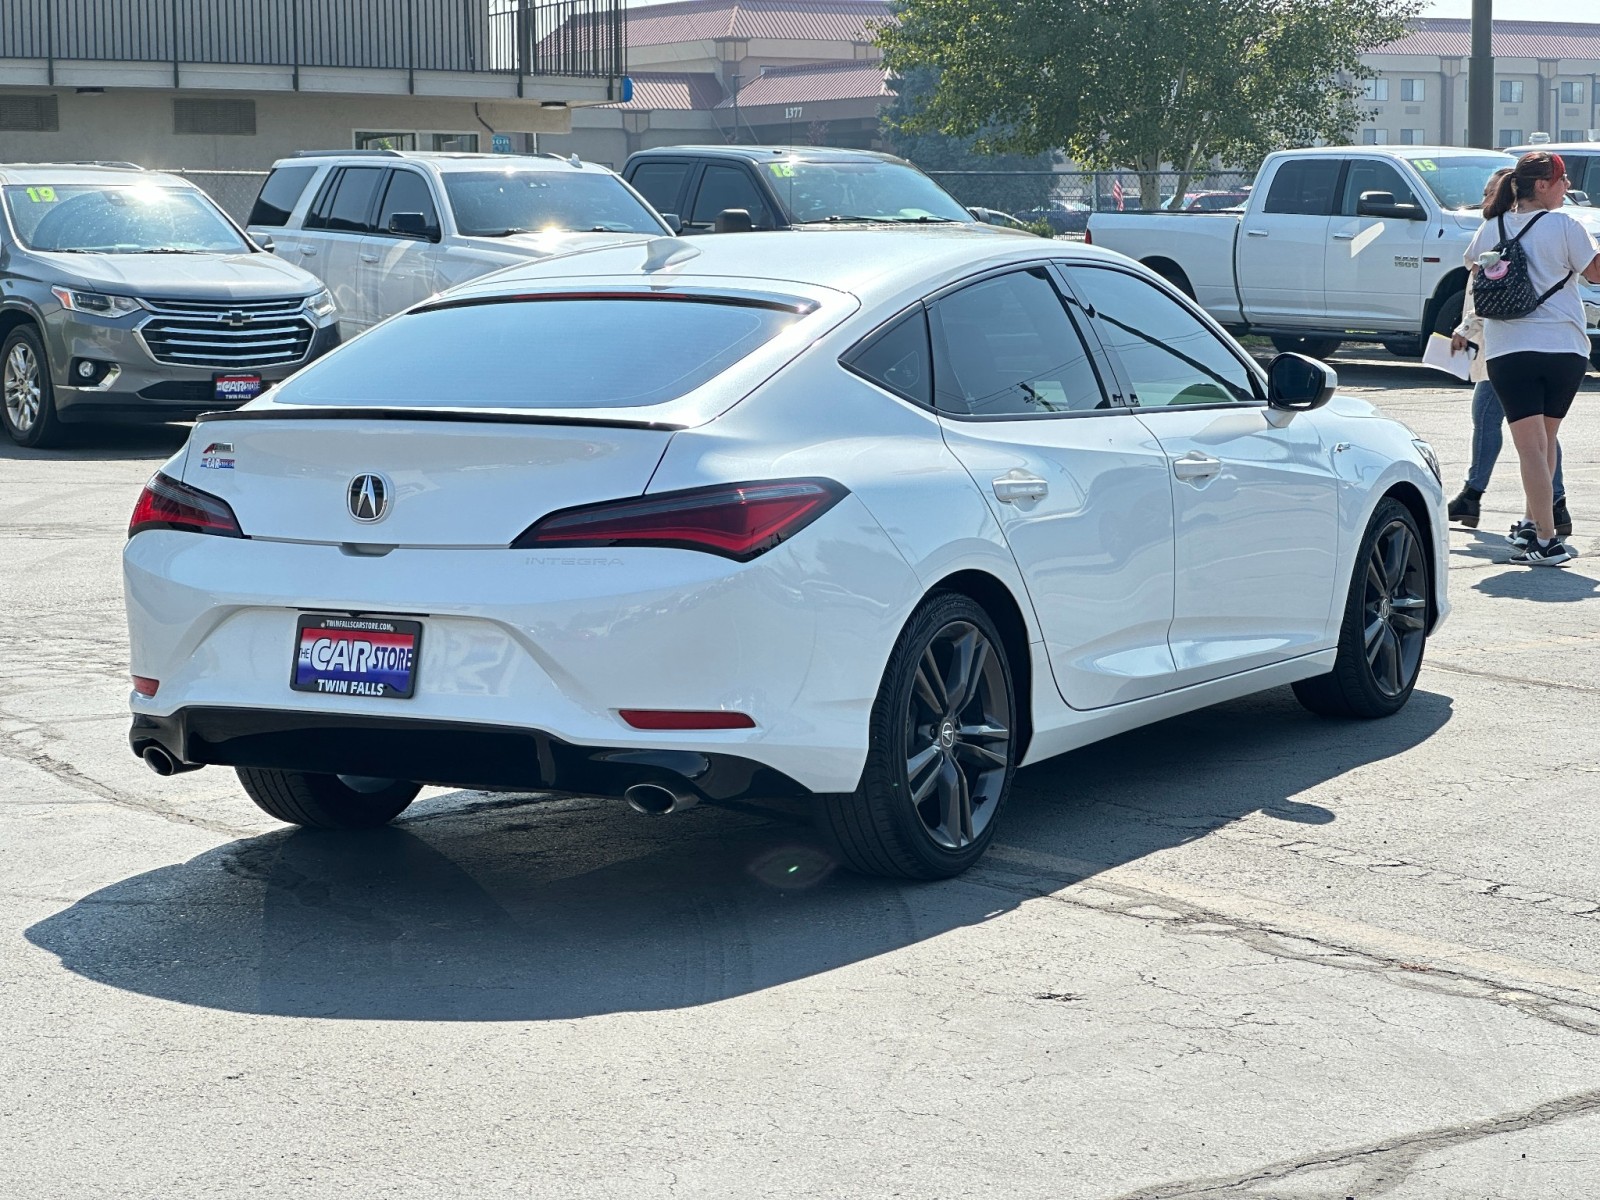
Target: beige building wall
139,126
1527,99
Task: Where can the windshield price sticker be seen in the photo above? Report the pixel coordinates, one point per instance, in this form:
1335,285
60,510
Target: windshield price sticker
1424,164
42,195
781,170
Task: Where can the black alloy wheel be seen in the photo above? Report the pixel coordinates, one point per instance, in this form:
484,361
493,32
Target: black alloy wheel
942,753
1385,627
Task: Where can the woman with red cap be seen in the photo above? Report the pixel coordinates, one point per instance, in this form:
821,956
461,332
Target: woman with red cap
1536,360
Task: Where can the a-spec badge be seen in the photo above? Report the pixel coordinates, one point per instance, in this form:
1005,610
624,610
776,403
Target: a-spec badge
368,498
218,456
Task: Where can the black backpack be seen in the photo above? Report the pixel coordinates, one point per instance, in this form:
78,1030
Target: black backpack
1509,293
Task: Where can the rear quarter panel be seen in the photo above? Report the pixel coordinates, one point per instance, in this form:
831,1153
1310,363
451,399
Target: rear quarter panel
1200,245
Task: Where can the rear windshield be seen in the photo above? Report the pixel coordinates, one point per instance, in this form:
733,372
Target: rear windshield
500,203
604,352
137,219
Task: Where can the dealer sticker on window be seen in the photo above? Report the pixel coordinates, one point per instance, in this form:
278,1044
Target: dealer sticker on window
356,656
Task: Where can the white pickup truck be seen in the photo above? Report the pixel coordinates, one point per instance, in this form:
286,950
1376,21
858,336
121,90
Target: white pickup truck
1348,243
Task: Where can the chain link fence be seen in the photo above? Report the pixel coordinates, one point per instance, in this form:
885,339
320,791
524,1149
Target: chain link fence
234,191
1064,199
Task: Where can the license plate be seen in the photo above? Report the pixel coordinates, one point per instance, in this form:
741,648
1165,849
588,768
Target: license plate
237,388
356,656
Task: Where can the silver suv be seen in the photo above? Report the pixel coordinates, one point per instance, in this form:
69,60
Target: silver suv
127,295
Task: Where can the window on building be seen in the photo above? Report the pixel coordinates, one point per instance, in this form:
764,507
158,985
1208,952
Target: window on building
29,114
1413,137
1511,91
1412,89
451,143
1571,93
235,118
1374,137
1375,89
385,141
1511,137
1571,135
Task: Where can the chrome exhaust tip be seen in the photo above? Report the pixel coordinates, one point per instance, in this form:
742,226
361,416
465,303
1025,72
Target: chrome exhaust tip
164,765
658,799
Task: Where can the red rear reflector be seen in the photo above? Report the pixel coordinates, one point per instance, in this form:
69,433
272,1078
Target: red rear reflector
167,504
1088,238
662,718
736,520
145,686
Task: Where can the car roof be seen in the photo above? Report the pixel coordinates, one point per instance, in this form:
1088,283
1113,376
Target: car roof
80,173
447,161
1387,151
874,265
1557,148
771,153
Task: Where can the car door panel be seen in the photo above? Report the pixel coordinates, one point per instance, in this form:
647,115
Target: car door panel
1374,264
1077,484
332,241
1254,499
397,271
1281,252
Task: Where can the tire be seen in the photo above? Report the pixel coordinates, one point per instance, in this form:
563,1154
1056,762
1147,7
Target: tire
1384,630
960,757
1316,347
1448,315
27,397
326,801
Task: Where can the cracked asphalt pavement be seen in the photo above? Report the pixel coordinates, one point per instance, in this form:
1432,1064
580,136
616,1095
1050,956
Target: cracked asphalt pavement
1243,954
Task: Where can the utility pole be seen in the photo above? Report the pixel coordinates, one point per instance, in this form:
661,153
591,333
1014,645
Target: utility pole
735,80
1480,77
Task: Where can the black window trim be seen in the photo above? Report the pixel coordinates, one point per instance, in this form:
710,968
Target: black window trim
1125,383
1338,185
383,196
847,360
1099,360
330,188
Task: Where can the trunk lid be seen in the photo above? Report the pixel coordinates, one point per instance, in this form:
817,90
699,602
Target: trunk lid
439,482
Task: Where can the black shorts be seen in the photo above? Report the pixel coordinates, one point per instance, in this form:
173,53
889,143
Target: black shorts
1534,384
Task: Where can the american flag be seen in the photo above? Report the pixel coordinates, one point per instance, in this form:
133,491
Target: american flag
1116,193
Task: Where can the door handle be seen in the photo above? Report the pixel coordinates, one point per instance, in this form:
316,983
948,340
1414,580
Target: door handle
369,258
1255,233
1015,487
1195,465
1344,237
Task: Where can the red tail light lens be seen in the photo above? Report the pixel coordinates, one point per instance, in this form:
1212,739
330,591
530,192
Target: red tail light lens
1088,238
167,504
736,520
146,686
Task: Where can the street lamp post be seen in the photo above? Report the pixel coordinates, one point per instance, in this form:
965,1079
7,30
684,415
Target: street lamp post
1480,77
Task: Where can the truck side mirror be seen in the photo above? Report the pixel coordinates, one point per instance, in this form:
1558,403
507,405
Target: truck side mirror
734,220
1383,204
411,225
674,222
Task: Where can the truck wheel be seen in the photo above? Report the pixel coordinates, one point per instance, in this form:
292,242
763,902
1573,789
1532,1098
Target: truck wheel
326,801
941,753
1594,358
1448,315
28,405
1314,346
1385,625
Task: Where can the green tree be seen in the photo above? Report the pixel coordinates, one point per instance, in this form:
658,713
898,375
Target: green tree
936,151
1142,83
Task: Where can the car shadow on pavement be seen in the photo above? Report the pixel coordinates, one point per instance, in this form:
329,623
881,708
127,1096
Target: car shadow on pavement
97,443
479,908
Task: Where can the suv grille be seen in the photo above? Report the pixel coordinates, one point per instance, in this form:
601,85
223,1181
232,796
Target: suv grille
232,336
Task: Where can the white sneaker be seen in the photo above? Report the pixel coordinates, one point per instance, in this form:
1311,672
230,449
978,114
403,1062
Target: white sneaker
1554,553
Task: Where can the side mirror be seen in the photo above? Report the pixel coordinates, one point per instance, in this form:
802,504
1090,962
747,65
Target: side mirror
1581,198
267,244
1383,204
674,222
412,225
1296,383
734,220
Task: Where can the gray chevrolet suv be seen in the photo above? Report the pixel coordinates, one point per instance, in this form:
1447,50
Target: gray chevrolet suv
127,295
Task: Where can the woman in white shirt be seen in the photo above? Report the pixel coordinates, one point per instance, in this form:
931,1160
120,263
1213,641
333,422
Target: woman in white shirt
1537,362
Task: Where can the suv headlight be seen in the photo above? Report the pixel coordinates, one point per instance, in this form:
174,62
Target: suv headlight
96,303
320,305
1429,457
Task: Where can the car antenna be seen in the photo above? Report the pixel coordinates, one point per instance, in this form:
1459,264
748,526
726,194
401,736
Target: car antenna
668,252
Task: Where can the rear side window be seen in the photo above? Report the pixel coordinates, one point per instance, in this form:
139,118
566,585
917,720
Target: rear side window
1304,186
596,352
661,184
346,203
898,358
728,187
279,195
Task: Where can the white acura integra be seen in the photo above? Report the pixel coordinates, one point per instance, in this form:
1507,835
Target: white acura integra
872,518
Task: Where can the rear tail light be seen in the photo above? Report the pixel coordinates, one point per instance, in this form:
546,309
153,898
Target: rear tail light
167,504
1088,236
736,520
663,718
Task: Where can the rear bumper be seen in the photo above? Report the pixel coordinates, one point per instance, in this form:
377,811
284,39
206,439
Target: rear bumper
450,754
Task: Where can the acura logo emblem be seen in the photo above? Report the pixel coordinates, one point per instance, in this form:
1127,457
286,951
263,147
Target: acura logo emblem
368,498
